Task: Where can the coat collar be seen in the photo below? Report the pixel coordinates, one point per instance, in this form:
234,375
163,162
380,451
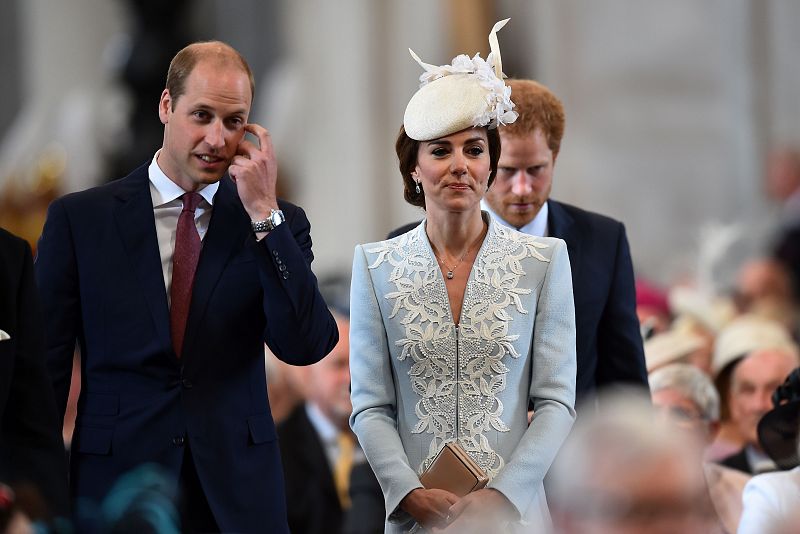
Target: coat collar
133,215
562,225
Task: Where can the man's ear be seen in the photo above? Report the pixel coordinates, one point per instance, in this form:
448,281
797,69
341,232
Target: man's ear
164,106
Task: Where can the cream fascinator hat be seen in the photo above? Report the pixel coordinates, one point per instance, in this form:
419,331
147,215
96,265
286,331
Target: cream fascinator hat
467,93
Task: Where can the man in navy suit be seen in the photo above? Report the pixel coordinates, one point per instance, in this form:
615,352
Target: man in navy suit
171,280
609,345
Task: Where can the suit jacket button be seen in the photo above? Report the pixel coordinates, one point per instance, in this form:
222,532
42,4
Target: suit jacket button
282,268
177,441
285,275
275,253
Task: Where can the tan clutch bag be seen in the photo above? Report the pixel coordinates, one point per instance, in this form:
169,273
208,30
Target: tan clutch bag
455,471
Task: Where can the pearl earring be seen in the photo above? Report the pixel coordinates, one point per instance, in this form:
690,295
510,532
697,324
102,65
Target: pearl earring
418,190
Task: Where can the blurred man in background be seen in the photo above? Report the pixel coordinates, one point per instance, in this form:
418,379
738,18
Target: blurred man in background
753,381
318,449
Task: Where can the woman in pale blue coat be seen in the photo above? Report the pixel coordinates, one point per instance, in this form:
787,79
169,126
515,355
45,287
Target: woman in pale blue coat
458,323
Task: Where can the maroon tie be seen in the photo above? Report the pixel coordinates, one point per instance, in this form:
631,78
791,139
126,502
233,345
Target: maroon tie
184,264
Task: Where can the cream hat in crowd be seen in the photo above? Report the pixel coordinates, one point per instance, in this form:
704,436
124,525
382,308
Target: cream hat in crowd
670,346
464,94
745,334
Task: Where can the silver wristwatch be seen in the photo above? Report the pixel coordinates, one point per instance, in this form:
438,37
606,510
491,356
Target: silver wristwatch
267,225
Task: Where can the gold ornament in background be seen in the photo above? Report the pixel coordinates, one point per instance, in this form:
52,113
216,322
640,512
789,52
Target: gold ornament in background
26,194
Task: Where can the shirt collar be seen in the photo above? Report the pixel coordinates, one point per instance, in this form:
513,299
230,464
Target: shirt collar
327,431
759,462
537,227
167,190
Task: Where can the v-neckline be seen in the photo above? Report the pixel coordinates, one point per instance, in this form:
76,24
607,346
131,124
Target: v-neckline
488,220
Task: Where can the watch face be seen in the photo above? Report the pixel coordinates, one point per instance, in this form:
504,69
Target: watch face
276,217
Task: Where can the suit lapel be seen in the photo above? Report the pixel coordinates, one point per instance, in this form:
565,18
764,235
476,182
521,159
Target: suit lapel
135,223
228,230
561,225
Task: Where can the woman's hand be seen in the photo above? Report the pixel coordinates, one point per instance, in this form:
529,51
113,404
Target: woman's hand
429,506
485,510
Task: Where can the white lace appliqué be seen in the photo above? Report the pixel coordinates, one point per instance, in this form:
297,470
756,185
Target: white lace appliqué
458,371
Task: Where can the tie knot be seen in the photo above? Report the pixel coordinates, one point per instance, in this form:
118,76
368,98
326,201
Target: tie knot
190,201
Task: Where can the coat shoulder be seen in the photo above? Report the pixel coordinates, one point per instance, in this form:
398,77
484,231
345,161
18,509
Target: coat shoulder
585,218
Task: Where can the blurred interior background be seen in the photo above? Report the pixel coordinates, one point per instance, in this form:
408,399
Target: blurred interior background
672,107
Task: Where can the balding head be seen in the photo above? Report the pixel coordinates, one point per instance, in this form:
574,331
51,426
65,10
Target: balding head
215,52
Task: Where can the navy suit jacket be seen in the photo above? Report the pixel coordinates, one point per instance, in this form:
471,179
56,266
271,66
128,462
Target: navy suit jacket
99,271
31,447
313,504
609,344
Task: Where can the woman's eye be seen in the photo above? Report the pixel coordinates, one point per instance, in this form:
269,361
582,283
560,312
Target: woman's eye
475,151
439,152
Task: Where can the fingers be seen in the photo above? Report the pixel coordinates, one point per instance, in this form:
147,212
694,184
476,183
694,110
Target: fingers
246,148
264,140
457,507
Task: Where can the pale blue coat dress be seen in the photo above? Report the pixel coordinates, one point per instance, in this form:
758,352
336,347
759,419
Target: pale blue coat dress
419,380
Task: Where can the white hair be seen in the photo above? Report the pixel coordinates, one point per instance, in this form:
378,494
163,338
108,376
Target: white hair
623,435
691,382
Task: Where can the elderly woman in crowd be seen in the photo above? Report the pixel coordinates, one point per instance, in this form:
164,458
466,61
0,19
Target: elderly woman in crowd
459,323
688,398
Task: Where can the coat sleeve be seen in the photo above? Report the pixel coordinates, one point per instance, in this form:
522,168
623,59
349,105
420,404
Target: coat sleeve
300,329
30,429
57,276
553,368
619,341
374,417
761,510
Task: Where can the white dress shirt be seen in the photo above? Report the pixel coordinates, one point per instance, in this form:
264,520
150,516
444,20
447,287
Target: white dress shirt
167,207
537,227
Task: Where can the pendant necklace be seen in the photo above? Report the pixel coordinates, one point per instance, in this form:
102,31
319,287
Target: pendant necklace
450,270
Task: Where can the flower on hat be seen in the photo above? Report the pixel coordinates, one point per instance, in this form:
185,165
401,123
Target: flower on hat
494,109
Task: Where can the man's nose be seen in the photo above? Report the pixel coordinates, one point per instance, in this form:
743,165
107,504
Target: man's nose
764,401
215,134
520,184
